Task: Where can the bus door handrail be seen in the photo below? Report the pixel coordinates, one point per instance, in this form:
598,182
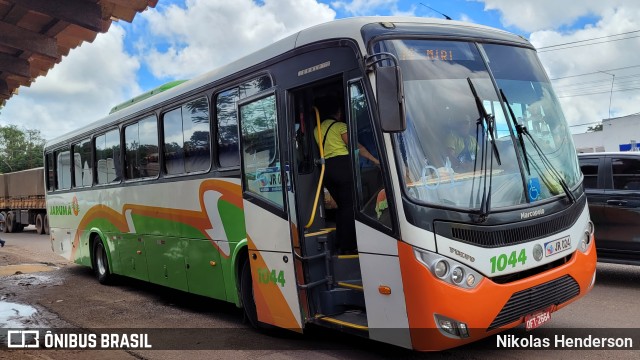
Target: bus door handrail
321,162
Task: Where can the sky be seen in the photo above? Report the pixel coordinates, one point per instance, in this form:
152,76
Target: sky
596,75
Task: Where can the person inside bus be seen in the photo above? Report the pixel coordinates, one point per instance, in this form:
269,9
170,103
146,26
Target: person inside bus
536,119
461,145
337,179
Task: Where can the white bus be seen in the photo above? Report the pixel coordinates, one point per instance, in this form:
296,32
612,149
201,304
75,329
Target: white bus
470,224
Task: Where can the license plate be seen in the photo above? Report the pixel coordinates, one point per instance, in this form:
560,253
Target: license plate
533,321
556,246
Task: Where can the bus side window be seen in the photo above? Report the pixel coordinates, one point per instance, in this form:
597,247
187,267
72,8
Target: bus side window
63,169
107,147
227,119
186,138
371,193
51,174
260,150
195,125
141,145
82,163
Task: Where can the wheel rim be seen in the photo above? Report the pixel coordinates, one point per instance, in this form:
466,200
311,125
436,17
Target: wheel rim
100,260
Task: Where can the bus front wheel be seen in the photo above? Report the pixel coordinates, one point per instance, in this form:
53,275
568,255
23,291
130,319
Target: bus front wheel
46,224
101,263
246,294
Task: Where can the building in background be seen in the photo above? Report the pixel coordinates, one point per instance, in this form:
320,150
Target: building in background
617,134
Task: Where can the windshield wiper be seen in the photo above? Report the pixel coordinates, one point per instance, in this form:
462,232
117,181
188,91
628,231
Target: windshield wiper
489,121
520,129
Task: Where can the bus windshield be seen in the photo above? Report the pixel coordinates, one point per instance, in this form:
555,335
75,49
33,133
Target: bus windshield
450,155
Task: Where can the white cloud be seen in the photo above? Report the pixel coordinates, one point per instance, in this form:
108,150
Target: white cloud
209,33
585,99
533,15
79,90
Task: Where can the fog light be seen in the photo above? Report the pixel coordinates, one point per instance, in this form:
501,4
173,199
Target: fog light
471,280
447,325
457,274
590,227
441,268
587,238
464,332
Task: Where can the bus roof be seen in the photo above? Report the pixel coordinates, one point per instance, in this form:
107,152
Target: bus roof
145,95
348,28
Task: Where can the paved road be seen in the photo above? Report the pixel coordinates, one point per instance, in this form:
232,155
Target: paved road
68,296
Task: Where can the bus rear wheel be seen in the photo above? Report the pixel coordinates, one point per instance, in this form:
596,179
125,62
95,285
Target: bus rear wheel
39,224
246,295
101,263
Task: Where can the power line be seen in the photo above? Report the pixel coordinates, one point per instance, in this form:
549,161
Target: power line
596,72
597,93
580,41
595,43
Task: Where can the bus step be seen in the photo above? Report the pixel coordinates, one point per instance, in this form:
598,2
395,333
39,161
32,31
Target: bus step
340,299
356,320
324,231
351,284
346,268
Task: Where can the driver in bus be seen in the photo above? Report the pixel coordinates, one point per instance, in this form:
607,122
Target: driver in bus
461,146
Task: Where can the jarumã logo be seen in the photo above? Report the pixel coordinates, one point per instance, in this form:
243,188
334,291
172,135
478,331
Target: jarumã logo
66,209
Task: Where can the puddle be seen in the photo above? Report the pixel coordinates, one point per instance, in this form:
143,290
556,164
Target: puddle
14,315
29,280
25,269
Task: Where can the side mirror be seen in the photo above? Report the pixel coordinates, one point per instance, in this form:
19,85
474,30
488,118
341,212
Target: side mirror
390,99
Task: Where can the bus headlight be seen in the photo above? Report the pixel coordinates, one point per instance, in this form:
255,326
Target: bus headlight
586,238
448,270
457,275
441,269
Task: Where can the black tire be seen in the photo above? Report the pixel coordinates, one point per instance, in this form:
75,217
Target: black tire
46,224
246,295
3,225
101,263
39,224
10,223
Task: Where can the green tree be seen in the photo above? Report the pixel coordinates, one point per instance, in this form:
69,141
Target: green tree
20,149
597,127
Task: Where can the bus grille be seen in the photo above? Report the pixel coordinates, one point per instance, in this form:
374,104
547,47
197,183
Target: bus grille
494,236
539,297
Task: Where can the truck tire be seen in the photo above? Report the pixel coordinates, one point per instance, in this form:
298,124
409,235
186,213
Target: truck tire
46,224
3,225
39,224
10,223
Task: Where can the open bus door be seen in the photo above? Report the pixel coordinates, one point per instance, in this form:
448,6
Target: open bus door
266,211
